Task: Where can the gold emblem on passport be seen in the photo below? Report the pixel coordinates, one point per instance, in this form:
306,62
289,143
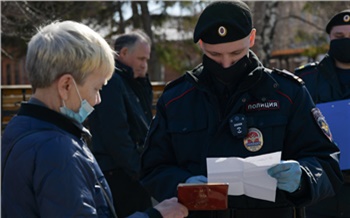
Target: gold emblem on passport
222,31
254,140
346,18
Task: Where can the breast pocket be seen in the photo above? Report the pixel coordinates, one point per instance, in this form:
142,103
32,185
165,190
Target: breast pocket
188,136
272,130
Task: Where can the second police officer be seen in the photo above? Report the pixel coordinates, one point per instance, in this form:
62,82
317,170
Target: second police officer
329,80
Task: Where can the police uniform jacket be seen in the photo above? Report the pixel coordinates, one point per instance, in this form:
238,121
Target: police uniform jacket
119,124
188,128
323,84
322,81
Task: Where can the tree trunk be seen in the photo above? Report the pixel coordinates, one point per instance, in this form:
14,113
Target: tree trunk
136,20
154,68
121,28
268,31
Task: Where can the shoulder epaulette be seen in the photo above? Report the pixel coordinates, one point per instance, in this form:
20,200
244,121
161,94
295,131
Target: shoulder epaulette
173,83
182,78
307,66
289,75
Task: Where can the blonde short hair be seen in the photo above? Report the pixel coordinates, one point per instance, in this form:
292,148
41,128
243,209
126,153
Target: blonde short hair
67,47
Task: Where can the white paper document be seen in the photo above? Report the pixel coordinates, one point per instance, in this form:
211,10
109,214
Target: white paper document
246,176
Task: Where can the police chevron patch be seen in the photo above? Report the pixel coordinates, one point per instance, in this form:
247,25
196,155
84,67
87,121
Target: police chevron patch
321,122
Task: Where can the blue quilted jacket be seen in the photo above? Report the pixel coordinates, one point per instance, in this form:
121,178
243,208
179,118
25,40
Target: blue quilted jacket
50,172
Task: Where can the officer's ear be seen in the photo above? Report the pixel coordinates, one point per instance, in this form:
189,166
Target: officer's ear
252,38
200,43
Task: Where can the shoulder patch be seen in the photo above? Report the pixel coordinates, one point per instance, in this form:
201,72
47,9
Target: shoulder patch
307,66
322,123
288,75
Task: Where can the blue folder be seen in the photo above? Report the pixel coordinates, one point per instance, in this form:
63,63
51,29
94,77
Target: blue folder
337,114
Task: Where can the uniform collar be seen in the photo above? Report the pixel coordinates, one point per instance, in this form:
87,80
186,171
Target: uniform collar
327,68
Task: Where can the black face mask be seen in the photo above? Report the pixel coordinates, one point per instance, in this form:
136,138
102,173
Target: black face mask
340,50
228,75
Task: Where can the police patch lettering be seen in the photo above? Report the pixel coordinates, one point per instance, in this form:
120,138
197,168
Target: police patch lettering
257,106
321,122
254,140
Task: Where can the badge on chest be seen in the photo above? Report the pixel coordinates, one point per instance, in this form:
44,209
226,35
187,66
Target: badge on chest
254,140
252,137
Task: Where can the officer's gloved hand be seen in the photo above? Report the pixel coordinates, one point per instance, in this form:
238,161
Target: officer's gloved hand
288,175
197,179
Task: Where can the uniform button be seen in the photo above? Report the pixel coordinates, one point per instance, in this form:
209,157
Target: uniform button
184,129
263,99
244,100
275,85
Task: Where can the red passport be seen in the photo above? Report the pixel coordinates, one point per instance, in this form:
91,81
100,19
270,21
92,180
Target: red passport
203,196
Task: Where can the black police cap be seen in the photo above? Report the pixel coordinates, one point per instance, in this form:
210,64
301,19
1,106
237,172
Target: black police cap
223,21
342,18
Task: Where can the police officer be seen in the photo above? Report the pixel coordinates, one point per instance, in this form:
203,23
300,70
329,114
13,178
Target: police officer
329,80
198,116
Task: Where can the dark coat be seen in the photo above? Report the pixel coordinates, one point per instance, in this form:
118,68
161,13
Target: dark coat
324,85
189,127
120,122
51,172
322,81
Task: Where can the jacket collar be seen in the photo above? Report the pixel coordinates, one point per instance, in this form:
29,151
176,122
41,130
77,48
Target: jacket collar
327,68
124,70
45,114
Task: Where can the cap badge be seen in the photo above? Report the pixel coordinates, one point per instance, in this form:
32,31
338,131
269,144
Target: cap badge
222,31
346,18
254,140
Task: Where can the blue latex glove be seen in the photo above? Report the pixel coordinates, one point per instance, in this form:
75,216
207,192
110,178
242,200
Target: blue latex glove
288,175
197,179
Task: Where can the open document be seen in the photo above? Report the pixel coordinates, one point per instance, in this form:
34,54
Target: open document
246,176
337,114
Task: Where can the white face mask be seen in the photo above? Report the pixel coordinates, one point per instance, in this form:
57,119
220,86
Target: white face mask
84,110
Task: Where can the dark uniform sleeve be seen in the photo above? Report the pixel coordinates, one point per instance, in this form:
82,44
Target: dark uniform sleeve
160,172
309,142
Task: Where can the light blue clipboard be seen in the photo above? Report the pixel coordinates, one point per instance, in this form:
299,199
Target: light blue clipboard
337,114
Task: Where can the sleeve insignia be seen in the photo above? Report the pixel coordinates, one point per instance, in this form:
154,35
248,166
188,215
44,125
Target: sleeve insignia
321,122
